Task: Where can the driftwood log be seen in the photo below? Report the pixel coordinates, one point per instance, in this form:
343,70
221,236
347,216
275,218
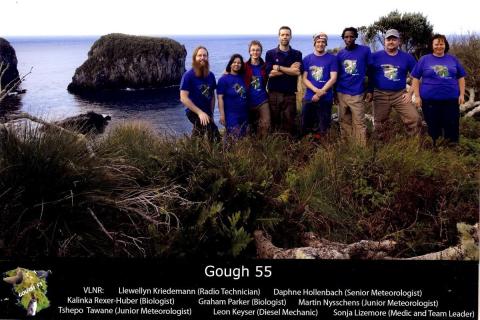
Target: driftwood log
317,248
470,103
470,108
25,116
473,112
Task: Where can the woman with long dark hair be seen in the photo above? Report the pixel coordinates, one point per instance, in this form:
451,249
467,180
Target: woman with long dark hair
232,98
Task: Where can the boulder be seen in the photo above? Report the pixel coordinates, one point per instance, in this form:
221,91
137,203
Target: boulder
90,122
8,61
119,61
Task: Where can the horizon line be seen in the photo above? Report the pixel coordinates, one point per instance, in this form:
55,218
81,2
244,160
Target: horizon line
152,35
187,35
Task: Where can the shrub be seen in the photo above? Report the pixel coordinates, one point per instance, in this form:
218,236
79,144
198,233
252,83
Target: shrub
467,49
414,28
140,194
400,190
56,200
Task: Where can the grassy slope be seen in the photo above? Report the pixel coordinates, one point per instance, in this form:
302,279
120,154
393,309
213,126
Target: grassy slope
146,195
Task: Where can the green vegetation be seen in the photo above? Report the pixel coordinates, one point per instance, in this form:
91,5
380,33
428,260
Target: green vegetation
467,49
141,194
414,28
116,46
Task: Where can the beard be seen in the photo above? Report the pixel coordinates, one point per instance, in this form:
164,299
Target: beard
201,70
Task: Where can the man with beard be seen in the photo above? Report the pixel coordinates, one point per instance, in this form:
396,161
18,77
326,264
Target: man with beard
353,62
283,66
197,93
388,74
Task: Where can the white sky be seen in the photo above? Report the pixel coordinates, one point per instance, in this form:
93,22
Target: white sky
177,17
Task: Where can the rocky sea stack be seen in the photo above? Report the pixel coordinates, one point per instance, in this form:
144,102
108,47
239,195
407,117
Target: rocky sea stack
118,61
8,60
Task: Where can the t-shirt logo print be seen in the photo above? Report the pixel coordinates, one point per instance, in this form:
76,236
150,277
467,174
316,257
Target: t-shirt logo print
390,72
255,83
205,90
350,66
240,90
441,71
316,72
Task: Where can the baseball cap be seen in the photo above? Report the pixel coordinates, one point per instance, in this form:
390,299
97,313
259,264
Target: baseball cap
321,35
392,33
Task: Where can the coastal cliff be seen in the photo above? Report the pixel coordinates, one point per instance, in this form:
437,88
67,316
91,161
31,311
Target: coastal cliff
8,61
118,61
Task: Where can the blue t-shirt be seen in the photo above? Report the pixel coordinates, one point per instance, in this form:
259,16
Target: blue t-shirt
439,77
390,72
256,91
232,87
318,70
200,90
352,69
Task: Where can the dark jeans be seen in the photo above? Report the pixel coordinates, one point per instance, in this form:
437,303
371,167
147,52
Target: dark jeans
442,118
283,110
199,130
316,117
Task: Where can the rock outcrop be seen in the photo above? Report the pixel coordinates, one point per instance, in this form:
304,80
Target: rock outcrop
8,64
90,122
119,61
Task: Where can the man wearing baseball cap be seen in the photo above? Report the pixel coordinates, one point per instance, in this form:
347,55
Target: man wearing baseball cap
319,76
388,70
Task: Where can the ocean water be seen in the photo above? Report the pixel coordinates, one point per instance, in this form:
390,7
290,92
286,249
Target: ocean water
53,61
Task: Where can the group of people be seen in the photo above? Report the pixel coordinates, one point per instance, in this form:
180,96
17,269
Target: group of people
262,93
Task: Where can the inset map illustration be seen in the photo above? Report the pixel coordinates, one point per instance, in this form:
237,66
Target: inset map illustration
29,288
